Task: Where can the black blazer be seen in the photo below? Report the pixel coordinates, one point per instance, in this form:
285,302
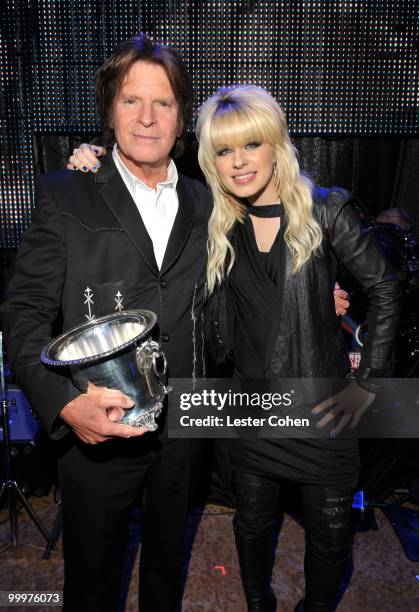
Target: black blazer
306,339
87,250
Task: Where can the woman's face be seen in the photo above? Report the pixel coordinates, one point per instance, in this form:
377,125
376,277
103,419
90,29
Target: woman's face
247,172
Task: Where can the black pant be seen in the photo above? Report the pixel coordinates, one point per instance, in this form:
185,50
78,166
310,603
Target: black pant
99,487
327,519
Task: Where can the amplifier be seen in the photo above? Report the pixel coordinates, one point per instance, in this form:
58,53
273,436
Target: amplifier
23,427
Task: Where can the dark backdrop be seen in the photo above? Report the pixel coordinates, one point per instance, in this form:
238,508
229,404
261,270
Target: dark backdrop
337,68
382,172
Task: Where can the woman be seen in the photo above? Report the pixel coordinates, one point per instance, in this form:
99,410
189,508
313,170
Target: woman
273,240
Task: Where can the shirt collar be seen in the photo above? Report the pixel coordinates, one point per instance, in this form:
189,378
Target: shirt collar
170,180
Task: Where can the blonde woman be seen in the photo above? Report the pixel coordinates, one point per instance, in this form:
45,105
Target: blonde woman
273,242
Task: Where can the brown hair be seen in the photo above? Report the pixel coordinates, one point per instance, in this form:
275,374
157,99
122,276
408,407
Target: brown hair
115,68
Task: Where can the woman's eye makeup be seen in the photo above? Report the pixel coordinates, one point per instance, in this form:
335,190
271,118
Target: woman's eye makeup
249,146
222,151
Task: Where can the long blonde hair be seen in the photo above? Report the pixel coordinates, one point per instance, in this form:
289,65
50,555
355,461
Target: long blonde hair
235,116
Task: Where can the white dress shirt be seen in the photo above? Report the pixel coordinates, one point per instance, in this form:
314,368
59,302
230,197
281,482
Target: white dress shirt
157,207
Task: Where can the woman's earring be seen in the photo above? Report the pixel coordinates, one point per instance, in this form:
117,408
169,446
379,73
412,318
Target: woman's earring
275,173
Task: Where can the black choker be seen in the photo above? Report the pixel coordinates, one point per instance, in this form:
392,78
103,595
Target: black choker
269,210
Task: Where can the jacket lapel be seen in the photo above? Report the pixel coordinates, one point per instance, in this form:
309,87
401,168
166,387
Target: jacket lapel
182,226
121,204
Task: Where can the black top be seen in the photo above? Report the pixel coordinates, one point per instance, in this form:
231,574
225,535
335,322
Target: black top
253,281
254,293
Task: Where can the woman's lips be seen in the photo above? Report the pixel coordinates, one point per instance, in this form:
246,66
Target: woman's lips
244,179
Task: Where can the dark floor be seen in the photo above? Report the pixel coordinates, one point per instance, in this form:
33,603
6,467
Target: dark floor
383,578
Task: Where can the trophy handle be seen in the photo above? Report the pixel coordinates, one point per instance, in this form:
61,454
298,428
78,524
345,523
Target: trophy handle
147,355
159,355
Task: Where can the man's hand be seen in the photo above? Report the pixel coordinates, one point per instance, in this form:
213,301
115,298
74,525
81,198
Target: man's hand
350,404
92,415
341,300
85,158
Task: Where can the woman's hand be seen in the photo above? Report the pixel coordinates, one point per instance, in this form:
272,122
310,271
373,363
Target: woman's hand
85,158
341,300
349,404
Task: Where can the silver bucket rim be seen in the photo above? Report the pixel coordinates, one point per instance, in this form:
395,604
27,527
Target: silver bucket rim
48,353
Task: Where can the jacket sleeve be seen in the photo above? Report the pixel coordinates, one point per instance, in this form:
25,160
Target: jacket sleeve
358,251
32,305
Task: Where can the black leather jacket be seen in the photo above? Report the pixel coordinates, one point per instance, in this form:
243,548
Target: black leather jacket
306,339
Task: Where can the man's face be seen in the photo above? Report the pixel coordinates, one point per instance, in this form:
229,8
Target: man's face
146,120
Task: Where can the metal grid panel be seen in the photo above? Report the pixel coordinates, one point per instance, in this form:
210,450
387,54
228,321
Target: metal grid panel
337,67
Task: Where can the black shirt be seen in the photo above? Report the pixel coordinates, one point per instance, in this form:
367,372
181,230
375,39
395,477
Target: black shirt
253,284
253,291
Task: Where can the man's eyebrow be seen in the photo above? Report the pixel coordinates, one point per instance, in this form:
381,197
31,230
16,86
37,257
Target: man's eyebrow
127,94
165,98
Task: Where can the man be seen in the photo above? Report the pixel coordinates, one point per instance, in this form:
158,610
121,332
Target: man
131,236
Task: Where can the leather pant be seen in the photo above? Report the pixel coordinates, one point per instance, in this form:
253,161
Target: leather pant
327,519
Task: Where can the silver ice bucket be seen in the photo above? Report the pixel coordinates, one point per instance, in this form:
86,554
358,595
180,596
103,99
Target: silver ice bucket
116,351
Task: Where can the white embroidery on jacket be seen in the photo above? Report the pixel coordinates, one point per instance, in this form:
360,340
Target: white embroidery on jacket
193,317
204,369
88,294
118,299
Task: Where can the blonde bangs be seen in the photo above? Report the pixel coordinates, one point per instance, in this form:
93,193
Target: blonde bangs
234,127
